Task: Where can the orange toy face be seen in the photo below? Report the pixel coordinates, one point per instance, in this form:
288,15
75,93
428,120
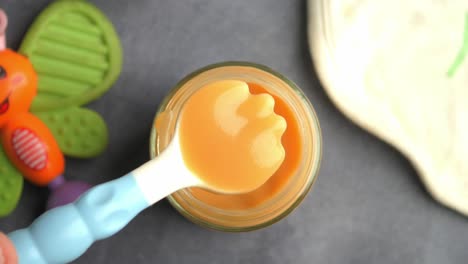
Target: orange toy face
18,82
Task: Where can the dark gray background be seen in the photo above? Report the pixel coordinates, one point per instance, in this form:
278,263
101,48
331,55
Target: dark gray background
368,205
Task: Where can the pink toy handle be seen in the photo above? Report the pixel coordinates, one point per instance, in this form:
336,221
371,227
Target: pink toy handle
3,27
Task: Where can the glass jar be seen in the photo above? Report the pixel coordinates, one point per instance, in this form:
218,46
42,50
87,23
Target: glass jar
282,202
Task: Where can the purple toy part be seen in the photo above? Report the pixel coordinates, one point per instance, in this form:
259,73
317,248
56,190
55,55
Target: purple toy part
57,182
65,192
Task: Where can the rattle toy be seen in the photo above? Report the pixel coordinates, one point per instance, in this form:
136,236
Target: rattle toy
70,56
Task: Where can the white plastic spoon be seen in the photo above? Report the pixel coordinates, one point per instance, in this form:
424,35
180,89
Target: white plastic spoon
65,233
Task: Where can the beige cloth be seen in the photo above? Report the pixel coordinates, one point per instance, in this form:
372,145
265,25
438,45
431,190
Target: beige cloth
397,69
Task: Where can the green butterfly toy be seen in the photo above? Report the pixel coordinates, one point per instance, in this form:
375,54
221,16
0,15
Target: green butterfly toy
70,56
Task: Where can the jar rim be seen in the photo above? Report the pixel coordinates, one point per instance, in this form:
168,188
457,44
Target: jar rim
316,152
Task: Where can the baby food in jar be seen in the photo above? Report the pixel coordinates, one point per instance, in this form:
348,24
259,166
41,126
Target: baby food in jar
281,193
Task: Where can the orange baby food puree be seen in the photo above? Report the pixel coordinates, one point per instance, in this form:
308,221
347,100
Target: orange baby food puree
230,138
291,141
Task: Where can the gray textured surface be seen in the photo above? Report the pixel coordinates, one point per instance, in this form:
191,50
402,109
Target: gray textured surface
366,207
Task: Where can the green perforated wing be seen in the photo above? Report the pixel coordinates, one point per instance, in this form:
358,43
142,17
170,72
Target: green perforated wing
79,132
11,185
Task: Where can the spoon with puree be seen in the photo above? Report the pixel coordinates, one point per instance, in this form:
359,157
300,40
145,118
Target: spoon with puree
227,140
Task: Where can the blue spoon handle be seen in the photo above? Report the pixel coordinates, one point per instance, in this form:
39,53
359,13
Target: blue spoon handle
63,234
